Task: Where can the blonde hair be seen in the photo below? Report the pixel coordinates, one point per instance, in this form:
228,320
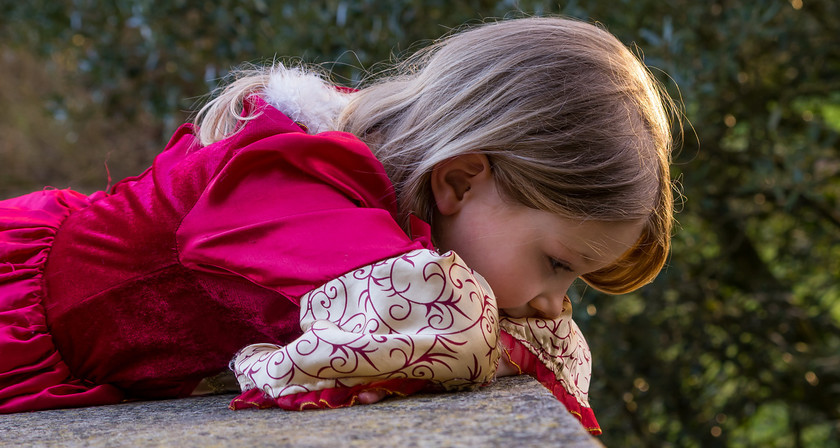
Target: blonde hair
569,118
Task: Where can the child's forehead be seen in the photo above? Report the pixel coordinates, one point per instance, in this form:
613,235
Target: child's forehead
591,240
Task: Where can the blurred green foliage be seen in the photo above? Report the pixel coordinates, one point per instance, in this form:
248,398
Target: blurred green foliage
737,343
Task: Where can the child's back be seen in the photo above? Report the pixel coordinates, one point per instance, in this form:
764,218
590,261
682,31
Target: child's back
155,285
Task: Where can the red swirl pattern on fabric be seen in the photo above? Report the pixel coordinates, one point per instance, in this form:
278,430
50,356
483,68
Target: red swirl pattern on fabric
417,321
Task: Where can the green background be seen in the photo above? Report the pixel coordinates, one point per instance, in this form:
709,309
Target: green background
737,343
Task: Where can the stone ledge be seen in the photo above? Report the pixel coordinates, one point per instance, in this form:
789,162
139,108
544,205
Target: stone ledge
514,411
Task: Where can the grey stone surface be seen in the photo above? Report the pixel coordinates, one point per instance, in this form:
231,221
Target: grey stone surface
514,411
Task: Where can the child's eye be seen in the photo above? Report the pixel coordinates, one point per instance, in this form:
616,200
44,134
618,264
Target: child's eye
557,264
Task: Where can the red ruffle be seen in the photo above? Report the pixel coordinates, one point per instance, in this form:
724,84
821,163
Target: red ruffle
33,376
528,363
338,397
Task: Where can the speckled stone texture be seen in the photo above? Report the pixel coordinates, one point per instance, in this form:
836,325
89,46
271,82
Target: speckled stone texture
514,411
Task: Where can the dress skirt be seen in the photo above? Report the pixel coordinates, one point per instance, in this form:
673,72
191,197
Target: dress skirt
33,375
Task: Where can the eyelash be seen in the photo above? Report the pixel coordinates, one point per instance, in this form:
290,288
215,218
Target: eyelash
557,264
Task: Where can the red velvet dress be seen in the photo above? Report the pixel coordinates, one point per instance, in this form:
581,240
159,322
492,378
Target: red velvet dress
147,289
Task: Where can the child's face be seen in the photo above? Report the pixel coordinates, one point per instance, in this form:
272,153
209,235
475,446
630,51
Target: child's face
529,257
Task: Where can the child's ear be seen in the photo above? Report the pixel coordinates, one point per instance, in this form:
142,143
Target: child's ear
452,179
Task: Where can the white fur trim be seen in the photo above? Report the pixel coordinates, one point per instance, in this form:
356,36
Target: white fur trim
305,98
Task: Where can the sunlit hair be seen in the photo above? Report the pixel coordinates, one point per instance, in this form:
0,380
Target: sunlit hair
572,122
569,118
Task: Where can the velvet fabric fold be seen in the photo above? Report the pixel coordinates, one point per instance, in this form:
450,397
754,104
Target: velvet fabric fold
144,290
33,375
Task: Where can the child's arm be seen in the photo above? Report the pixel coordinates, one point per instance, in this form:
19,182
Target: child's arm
413,322
407,324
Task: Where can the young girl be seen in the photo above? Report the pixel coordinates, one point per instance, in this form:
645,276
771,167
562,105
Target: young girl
360,241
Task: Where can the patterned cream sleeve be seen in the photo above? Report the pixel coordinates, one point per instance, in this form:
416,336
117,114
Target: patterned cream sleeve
417,321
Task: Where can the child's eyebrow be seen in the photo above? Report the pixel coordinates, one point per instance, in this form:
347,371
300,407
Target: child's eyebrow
585,256
597,249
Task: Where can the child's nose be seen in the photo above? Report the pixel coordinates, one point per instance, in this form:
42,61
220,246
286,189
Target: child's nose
550,306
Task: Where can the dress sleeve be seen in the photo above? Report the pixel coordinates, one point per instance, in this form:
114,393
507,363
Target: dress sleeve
291,211
417,321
